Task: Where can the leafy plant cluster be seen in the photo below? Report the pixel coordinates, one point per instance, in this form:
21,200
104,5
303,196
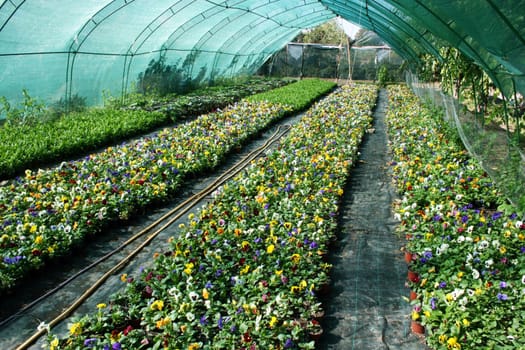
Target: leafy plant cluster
30,110
201,100
289,95
467,243
491,123
34,136
463,79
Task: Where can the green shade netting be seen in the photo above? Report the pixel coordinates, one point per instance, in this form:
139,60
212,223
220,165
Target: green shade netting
490,32
57,49
84,47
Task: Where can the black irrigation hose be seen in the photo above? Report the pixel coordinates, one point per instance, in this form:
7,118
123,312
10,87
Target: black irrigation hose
180,210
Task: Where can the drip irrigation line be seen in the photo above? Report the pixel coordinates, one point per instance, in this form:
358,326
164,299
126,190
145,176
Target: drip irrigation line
181,209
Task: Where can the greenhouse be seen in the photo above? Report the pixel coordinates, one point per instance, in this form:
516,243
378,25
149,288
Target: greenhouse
314,174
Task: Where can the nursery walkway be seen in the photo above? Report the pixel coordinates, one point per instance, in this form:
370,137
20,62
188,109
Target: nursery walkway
366,306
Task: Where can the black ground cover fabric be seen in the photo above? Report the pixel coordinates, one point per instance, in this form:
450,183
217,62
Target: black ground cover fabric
366,306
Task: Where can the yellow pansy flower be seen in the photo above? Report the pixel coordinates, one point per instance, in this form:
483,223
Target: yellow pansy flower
75,329
157,305
53,345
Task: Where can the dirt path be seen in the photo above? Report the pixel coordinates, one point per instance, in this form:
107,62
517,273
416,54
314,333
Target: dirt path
365,308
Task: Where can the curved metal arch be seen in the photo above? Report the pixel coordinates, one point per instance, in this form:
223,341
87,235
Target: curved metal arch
217,27
241,32
217,57
395,41
261,46
145,34
182,29
196,20
10,12
379,11
460,39
156,24
267,16
87,29
250,47
283,37
264,20
266,32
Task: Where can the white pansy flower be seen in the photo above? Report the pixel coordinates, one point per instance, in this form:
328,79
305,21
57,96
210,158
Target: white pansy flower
483,245
193,296
457,293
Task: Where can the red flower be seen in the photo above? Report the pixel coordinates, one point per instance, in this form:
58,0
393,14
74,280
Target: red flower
127,330
246,337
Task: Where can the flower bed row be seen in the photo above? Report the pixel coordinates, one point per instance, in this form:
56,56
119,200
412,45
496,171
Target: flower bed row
33,145
466,247
46,213
246,269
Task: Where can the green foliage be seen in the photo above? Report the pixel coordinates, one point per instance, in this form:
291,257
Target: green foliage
298,95
26,146
326,33
511,178
29,111
162,79
63,106
382,76
365,37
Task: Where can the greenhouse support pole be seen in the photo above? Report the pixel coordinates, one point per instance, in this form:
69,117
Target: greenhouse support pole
301,74
348,57
475,102
505,108
516,113
287,70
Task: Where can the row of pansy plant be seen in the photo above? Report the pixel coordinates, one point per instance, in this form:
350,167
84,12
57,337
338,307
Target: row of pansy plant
246,269
47,212
469,249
